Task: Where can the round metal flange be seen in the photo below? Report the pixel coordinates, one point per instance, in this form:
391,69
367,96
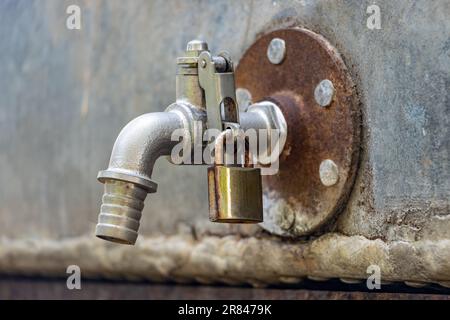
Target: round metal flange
317,96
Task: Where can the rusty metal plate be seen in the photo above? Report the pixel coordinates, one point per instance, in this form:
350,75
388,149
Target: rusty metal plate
296,202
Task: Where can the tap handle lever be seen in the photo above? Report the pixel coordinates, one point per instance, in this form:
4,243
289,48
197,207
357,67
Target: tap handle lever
216,78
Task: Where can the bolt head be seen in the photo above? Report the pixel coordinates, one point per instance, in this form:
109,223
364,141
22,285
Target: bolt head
197,45
324,93
203,63
276,51
329,173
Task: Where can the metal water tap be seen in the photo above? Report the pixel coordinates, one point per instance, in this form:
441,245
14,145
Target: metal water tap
205,101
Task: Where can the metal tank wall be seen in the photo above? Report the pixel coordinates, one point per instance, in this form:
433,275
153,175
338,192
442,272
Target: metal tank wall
65,95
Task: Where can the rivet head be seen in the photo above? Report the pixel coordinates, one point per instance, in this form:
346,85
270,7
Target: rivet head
324,93
276,51
203,63
329,173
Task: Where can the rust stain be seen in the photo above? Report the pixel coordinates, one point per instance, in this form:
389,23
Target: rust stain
314,133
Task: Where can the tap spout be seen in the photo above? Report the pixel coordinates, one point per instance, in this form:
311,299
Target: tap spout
128,177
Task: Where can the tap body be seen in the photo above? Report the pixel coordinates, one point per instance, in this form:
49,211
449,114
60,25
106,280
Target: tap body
127,180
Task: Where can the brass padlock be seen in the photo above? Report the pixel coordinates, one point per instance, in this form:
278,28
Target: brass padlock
235,192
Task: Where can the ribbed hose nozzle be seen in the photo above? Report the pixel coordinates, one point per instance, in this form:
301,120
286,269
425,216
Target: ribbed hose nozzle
120,212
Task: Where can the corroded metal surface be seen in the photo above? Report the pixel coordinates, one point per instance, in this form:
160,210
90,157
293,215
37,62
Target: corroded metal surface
67,93
100,77
258,261
295,200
